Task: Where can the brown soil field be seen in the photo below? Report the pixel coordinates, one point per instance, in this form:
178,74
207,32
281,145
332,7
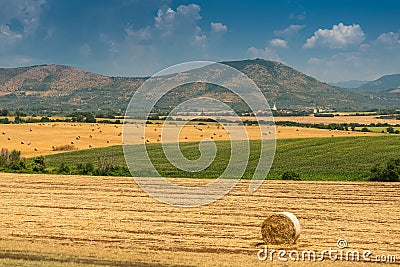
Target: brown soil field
52,220
39,139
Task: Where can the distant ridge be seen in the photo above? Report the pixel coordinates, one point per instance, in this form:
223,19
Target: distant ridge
61,89
387,82
349,84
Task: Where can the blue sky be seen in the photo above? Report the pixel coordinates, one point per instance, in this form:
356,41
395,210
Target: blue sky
330,40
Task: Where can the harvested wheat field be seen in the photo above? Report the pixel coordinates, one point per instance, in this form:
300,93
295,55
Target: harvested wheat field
50,138
338,119
49,220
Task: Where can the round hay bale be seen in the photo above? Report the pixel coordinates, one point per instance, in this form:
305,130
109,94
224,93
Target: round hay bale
22,142
281,228
4,132
36,149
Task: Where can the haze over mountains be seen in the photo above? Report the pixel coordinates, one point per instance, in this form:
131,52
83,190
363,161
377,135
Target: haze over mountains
349,84
61,89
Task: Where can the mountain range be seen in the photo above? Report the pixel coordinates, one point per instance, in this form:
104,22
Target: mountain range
62,89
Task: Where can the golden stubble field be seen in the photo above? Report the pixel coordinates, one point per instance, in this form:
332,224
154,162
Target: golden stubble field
53,220
39,139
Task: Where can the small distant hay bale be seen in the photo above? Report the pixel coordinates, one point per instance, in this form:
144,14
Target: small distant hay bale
36,149
281,228
119,134
4,132
90,136
9,138
22,142
90,146
30,130
108,141
72,142
186,137
29,143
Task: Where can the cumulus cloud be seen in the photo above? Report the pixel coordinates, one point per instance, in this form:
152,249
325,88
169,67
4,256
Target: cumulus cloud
173,26
266,53
278,43
218,27
289,31
183,20
339,37
389,40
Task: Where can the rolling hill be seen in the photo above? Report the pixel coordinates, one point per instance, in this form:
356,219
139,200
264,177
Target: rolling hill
61,89
389,83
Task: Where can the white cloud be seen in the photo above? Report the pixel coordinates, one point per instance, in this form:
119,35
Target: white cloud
340,36
183,20
18,19
266,53
289,31
314,60
278,43
26,12
7,36
300,16
389,40
218,27
141,34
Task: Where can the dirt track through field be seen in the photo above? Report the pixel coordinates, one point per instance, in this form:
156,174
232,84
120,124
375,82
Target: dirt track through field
111,221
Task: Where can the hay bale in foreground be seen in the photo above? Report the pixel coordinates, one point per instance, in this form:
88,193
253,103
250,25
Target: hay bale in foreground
281,228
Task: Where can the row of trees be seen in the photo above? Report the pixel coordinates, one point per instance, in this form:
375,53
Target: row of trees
11,161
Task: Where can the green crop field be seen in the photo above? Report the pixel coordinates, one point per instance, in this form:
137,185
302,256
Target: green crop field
349,158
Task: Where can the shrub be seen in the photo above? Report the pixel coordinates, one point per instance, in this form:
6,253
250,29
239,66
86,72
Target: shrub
39,165
85,168
64,148
390,172
63,169
13,159
291,175
390,129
